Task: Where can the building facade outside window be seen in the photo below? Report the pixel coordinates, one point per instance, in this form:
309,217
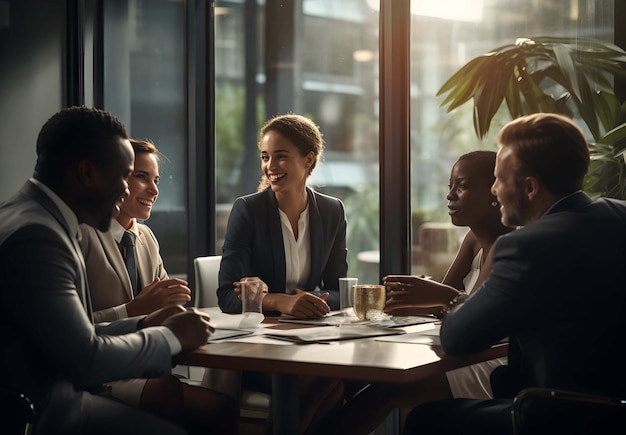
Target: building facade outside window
319,58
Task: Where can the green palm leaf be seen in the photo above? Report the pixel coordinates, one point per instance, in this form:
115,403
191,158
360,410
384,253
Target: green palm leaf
525,75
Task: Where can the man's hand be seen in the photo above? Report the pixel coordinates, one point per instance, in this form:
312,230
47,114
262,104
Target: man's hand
157,317
159,294
192,328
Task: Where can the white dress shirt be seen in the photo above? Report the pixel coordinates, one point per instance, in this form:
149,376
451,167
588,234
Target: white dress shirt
297,252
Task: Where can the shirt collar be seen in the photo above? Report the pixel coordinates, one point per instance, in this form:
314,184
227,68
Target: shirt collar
555,203
117,230
66,211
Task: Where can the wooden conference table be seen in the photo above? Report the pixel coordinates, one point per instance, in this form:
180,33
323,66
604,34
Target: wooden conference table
363,359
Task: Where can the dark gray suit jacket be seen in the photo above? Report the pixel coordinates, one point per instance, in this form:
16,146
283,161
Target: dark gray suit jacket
48,338
558,290
254,246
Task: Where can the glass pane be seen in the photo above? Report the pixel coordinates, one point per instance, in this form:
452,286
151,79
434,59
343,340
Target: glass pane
445,35
144,85
334,72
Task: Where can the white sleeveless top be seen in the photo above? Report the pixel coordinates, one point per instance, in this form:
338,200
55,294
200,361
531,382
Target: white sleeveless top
472,382
471,278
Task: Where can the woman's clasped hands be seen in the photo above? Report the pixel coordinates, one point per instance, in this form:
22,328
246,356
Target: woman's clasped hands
299,303
237,284
305,305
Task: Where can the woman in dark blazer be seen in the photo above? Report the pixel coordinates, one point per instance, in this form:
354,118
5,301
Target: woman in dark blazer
288,235
294,240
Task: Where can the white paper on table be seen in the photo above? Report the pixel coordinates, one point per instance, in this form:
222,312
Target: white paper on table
428,336
249,322
347,317
259,338
233,321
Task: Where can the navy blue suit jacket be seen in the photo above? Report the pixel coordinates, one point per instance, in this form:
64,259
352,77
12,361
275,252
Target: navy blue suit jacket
254,247
558,290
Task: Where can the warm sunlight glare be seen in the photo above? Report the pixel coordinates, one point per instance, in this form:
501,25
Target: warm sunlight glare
458,10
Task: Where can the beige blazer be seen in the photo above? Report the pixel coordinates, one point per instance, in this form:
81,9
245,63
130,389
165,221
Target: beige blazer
109,284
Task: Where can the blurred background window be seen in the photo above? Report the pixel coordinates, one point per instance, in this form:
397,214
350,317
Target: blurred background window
318,58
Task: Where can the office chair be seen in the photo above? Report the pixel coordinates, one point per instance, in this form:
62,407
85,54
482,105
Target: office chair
253,405
18,412
540,411
206,270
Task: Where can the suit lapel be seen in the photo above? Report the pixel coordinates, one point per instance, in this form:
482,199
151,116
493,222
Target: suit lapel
276,238
46,202
316,240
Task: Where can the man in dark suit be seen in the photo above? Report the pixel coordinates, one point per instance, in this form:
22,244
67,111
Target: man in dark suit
51,349
556,288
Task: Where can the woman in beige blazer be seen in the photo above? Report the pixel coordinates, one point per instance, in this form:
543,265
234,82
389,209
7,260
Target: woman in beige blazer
111,293
197,409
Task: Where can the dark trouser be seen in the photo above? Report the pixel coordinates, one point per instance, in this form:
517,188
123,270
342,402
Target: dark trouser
67,411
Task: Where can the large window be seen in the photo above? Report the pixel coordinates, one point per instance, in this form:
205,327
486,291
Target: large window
328,70
144,85
319,58
444,36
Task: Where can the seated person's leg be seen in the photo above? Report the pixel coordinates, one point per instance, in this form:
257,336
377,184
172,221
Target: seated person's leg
209,411
71,412
320,399
197,409
369,407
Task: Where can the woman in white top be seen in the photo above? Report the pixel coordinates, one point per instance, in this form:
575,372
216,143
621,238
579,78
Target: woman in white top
292,238
470,203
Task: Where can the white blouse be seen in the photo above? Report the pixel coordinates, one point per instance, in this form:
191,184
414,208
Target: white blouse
473,381
297,252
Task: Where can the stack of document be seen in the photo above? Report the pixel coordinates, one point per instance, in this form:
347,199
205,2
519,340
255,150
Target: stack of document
335,318
326,335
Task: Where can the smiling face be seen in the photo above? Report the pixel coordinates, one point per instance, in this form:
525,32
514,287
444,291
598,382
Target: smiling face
514,204
282,163
469,199
108,186
143,187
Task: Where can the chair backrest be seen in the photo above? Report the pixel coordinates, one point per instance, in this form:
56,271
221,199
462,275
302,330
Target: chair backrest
206,270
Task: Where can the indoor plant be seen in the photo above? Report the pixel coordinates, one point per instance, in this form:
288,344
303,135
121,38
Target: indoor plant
574,77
